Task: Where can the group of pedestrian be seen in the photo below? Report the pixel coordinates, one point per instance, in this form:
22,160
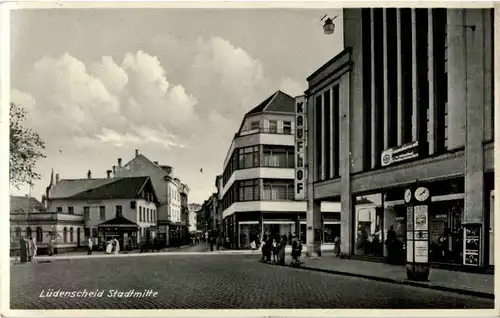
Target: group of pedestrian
113,246
273,249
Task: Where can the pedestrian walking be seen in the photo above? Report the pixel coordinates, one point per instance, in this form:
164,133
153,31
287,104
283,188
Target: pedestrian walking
275,251
263,248
336,248
254,246
32,249
89,252
109,246
296,251
281,250
51,246
117,246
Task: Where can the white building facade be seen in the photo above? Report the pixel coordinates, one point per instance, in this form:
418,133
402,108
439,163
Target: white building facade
257,187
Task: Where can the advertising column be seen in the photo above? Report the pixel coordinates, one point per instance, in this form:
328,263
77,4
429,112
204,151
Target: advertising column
417,201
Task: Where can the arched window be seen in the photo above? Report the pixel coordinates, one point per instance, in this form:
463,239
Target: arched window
18,232
39,235
71,235
65,235
28,232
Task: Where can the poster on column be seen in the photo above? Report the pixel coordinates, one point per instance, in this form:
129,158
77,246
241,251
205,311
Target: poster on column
409,251
421,222
421,251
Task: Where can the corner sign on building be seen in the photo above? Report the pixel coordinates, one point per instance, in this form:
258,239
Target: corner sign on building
300,147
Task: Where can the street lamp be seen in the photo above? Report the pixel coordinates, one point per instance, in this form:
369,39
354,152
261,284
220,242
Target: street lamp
328,26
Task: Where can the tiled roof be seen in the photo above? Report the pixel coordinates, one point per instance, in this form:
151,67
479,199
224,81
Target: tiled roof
277,102
67,187
119,188
19,204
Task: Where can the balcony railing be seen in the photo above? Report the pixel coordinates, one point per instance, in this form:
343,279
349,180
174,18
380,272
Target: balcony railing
266,130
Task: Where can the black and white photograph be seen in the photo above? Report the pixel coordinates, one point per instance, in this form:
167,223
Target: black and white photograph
238,155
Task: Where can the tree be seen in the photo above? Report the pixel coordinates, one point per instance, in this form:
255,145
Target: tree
26,148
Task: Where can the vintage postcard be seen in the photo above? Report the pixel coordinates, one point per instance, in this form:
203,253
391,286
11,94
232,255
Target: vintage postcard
256,159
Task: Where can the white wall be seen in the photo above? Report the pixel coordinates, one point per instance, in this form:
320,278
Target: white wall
110,208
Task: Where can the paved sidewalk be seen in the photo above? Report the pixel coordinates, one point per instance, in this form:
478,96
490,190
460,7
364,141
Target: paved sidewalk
480,285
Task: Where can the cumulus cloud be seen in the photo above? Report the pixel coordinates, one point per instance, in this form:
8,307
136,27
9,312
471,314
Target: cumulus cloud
134,101
104,101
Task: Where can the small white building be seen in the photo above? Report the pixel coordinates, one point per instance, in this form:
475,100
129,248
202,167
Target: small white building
104,208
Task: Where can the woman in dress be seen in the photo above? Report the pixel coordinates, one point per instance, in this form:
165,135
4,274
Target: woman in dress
117,246
109,246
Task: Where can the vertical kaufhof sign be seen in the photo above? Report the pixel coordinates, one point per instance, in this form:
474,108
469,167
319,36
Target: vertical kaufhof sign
300,147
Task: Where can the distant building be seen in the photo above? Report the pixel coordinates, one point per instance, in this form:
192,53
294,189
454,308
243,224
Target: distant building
168,189
193,208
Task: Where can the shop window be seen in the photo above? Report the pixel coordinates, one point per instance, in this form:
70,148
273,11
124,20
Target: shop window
86,232
28,232
446,234
369,218
394,231
277,230
330,232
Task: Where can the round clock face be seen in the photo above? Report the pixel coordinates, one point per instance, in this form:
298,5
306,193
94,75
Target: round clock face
422,194
407,195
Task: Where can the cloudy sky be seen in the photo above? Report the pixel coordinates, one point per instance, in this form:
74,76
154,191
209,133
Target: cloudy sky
173,83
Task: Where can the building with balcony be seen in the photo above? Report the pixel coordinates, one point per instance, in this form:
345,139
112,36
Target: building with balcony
408,102
102,208
257,184
168,188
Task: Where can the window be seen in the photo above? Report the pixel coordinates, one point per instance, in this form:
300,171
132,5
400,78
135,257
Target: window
28,232
148,215
278,190
39,235
407,70
18,232
65,234
59,209
140,214
86,213
367,88
327,131
119,211
287,127
254,125
94,232
278,157
71,235
273,126
71,210
249,190
102,213
441,78
248,157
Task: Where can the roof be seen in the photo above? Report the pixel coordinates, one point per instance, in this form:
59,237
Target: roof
20,204
119,221
277,102
69,187
119,188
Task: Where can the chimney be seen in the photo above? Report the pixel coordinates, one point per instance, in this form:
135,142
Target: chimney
57,178
136,152
108,173
114,171
89,174
119,162
156,162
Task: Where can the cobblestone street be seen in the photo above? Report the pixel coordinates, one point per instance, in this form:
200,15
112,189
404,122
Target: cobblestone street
210,281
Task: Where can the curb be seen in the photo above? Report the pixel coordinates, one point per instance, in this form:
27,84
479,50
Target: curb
404,282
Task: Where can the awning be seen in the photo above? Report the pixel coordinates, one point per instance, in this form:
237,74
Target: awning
119,222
